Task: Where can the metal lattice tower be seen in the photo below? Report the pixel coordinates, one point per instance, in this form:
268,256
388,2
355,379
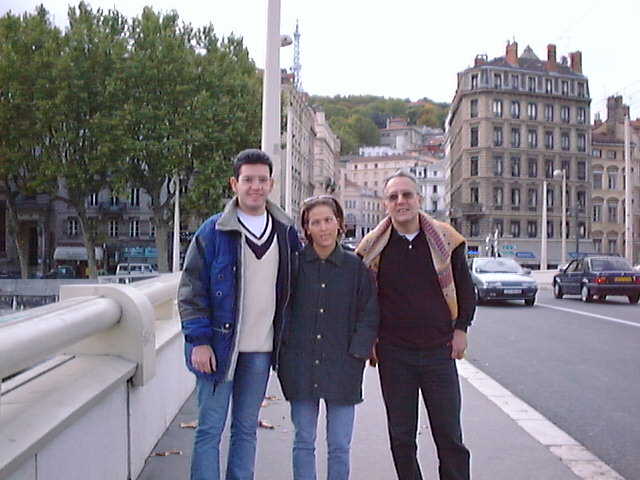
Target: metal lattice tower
296,58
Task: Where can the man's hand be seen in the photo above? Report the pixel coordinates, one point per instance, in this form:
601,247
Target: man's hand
458,344
203,359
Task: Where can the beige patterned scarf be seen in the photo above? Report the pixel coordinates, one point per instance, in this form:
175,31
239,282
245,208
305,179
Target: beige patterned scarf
442,239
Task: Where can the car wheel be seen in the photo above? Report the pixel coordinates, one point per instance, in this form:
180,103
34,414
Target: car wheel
557,290
529,301
602,298
585,294
634,298
479,300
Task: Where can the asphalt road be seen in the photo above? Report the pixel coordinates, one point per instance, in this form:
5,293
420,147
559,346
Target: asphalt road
576,363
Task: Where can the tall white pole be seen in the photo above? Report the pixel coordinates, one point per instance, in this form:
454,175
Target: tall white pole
628,189
271,97
564,217
543,229
288,165
176,225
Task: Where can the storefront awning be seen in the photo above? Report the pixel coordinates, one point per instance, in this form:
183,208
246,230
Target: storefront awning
75,254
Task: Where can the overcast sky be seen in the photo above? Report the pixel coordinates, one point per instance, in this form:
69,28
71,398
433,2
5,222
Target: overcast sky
414,48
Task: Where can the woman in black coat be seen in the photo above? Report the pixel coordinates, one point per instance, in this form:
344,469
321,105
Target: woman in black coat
330,333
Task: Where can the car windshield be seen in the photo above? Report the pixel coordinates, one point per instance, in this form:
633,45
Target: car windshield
609,264
497,265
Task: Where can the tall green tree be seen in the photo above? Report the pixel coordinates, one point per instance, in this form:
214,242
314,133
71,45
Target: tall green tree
159,75
29,47
84,143
227,117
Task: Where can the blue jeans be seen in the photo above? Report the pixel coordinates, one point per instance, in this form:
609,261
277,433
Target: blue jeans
247,390
340,417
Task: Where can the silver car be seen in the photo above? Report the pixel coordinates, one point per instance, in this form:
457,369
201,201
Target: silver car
502,278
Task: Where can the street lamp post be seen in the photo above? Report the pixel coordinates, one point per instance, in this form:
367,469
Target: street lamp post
543,229
563,174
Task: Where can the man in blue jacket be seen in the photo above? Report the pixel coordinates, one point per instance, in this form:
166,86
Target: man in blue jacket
232,299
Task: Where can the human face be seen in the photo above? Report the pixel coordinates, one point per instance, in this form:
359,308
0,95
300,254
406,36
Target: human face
402,202
252,187
323,229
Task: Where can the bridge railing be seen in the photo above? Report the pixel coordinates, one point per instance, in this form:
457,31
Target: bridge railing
110,348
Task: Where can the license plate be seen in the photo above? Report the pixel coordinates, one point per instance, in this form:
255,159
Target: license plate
512,291
622,279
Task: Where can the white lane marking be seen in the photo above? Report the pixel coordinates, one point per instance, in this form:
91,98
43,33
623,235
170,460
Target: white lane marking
595,315
580,460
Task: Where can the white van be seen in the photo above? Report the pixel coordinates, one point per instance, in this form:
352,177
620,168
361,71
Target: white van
134,269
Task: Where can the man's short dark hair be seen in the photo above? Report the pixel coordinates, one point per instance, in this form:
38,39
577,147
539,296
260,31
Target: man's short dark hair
251,156
400,174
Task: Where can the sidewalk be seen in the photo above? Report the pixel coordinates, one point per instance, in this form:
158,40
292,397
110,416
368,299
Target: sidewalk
500,448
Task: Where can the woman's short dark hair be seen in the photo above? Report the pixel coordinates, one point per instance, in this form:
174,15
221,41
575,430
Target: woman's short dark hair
316,201
251,156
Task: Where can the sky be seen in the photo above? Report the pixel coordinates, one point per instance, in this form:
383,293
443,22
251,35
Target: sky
414,48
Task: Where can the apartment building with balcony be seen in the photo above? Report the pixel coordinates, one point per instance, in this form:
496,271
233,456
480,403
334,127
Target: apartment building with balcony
514,120
609,177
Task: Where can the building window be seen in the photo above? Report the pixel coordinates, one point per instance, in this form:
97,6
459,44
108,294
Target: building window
550,197
581,199
134,228
497,108
597,245
498,196
581,90
152,230
473,107
114,199
474,137
134,197
532,110
532,229
498,166
597,180
549,229
497,80
515,109
531,84
474,195
612,212
515,137
612,245
566,166
73,227
596,152
612,180
582,142
548,85
532,167
92,201
548,139
582,170
532,198
532,138
548,167
497,136
597,213
474,166
611,155
498,226
564,114
581,115
113,228
548,113
515,166
564,87
474,82
565,143
435,189
474,228
515,197
515,228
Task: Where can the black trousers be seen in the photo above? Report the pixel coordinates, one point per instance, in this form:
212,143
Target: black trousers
402,374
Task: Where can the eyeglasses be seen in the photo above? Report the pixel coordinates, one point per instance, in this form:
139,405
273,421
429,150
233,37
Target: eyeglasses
249,180
394,197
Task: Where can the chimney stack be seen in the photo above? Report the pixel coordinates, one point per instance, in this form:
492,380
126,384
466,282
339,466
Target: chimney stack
576,61
512,53
551,58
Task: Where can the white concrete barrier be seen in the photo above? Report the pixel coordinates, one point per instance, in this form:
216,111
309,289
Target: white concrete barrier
95,410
